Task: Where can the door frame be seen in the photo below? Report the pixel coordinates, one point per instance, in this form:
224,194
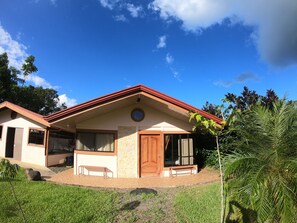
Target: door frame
9,142
11,139
161,163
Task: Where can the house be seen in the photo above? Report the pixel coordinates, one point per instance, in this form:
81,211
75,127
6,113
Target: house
26,136
135,132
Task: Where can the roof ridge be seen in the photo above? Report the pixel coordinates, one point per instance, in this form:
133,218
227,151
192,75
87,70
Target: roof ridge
125,92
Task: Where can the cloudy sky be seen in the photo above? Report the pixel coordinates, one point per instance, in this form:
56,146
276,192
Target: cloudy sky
194,50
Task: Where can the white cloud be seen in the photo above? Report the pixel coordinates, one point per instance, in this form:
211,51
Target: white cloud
110,4
162,42
176,75
16,51
275,30
169,58
135,11
39,81
120,18
68,101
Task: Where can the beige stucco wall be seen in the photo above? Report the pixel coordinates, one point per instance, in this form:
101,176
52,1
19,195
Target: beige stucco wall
154,120
127,147
127,152
30,153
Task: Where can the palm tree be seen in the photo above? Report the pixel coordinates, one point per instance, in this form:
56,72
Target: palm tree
262,174
8,172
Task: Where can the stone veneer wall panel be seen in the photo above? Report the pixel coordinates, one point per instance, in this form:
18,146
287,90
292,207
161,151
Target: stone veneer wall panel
127,152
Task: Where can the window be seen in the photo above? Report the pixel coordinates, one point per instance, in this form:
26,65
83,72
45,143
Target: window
178,150
1,127
36,136
99,142
60,142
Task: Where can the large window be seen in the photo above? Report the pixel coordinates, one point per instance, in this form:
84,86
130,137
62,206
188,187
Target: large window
178,150
36,136
99,142
60,142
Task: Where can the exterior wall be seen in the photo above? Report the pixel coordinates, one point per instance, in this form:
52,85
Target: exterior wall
154,120
127,149
95,160
127,152
30,153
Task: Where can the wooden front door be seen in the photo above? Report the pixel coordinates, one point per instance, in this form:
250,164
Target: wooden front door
150,155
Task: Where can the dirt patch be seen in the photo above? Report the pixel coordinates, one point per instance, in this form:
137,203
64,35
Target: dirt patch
153,206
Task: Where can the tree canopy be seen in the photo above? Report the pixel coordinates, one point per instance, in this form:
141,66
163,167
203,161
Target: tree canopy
41,100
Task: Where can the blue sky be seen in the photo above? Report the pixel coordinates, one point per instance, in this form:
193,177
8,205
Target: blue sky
195,51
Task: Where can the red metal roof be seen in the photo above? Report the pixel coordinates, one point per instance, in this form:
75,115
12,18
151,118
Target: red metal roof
123,93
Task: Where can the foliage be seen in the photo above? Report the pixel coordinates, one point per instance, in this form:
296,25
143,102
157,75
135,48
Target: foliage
12,89
210,157
8,171
213,109
249,98
28,66
262,173
44,101
200,204
214,129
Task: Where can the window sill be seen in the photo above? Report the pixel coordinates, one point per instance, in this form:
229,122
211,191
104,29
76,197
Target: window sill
36,145
95,153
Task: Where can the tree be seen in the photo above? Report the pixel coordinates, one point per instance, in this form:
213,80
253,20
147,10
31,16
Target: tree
12,89
248,98
214,129
213,109
8,172
262,174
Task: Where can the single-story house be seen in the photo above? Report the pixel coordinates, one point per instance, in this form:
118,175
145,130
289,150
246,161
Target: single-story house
26,136
135,132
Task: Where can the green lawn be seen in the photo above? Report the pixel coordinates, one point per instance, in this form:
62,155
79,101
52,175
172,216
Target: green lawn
198,204
48,202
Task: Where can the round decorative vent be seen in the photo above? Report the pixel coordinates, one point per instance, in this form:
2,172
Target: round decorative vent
137,114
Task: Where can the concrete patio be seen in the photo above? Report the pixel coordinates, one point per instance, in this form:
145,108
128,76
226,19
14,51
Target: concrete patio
203,177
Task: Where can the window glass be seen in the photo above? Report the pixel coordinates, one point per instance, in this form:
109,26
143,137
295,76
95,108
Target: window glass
36,136
60,142
178,150
100,142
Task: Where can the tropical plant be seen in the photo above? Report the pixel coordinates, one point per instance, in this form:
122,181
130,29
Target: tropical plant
214,129
261,175
8,172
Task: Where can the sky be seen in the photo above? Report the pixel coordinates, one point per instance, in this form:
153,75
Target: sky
193,50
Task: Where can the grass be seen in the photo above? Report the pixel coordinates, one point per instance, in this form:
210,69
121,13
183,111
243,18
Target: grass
199,204
48,202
